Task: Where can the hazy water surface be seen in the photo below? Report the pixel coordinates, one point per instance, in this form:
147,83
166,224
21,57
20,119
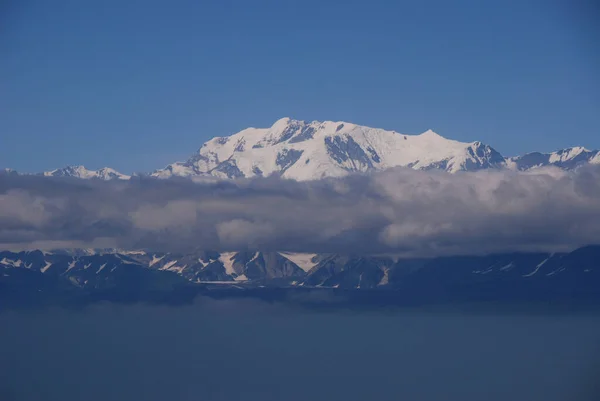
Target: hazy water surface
251,351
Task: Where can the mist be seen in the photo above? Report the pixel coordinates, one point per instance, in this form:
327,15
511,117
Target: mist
249,350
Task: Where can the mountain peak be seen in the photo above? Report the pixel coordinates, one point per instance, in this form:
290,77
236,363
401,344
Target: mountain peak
311,150
283,122
431,134
79,171
568,159
575,150
304,150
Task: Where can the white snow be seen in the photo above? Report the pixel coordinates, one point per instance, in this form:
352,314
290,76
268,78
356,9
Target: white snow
552,273
489,269
155,260
567,154
302,260
13,263
241,277
172,266
255,149
227,259
101,268
507,267
46,267
178,269
385,279
71,265
253,257
168,265
105,173
536,268
556,158
262,151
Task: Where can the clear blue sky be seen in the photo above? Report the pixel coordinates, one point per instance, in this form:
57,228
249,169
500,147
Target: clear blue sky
138,84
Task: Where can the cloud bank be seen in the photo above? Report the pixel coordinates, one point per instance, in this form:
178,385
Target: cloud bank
401,211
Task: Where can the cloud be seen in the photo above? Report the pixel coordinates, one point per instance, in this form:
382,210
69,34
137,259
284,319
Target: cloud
241,233
177,213
399,211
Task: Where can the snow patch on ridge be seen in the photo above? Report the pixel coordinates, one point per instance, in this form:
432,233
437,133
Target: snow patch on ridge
302,260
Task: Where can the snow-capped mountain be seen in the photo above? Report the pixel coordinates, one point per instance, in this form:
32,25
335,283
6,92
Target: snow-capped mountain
567,159
303,150
105,173
313,150
8,171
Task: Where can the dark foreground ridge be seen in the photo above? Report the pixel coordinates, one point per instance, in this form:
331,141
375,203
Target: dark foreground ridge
36,278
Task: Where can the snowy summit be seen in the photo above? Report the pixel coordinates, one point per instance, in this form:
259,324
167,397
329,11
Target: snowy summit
302,150
105,173
312,150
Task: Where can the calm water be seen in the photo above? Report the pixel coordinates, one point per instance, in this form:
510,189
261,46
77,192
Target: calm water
225,350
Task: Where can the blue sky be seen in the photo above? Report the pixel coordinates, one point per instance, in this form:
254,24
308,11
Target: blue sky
138,84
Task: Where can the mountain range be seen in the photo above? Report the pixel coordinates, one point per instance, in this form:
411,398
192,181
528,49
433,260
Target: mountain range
136,275
302,150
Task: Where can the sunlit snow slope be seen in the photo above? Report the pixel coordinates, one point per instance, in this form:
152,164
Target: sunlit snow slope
303,150
307,151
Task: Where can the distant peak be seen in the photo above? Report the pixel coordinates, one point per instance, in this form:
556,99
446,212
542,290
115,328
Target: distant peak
282,122
431,133
577,149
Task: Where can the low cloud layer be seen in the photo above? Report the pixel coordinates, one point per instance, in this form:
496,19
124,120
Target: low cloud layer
399,211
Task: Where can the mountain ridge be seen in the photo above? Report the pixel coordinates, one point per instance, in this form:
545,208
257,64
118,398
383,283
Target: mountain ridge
304,150
134,275
313,150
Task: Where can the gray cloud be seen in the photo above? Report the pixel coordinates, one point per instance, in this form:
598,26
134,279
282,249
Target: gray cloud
396,211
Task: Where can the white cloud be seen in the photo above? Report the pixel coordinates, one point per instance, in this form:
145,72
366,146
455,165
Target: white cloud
400,211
